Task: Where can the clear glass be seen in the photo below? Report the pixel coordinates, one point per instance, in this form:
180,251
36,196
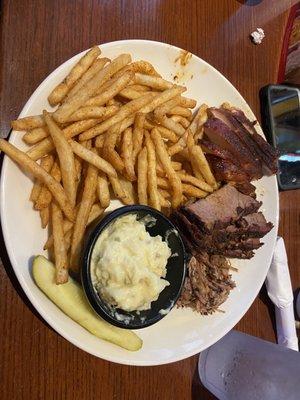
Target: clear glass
243,367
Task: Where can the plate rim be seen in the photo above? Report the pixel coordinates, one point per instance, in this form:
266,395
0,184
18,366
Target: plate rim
39,307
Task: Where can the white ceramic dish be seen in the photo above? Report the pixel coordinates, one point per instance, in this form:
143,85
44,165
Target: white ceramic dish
182,333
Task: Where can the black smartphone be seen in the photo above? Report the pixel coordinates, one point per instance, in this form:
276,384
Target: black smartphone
280,110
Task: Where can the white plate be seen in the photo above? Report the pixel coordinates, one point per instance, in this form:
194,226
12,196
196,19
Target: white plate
182,333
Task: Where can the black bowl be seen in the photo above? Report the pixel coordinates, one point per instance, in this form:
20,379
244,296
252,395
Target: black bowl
176,270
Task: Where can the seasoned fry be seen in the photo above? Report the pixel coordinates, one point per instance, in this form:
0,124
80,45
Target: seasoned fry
180,120
87,112
46,164
151,177
167,165
115,88
99,143
60,91
152,81
127,154
67,226
129,190
28,165
144,67
119,190
89,74
195,182
172,125
103,190
66,158
60,253
27,123
163,183
45,196
95,213
89,89
92,158
162,110
109,152
201,162
161,98
72,130
142,168
164,193
182,111
88,196
164,203
186,102
175,164
138,134
139,88
193,191
45,216
35,135
167,134
128,109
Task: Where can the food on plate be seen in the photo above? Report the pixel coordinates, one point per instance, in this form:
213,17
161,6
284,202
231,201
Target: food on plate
128,266
71,299
235,151
121,131
208,283
227,222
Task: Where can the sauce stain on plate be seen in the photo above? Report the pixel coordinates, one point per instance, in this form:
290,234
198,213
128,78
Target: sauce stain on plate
182,73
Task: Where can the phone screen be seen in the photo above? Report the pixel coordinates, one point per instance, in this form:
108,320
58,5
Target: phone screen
285,110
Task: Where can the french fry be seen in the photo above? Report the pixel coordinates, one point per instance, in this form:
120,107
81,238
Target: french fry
162,97
88,196
195,182
172,125
60,91
151,176
138,134
160,171
46,164
139,88
162,110
88,90
66,158
87,112
167,134
35,135
45,196
95,213
27,123
67,226
125,111
119,190
103,190
193,191
142,167
163,156
131,94
108,150
113,90
163,183
201,162
97,65
127,154
144,67
68,241
185,123
129,191
186,102
92,158
60,254
99,143
182,111
45,216
164,203
28,165
164,193
152,81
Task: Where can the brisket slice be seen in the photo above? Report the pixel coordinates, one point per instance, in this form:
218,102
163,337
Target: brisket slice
226,170
207,285
245,188
221,208
219,133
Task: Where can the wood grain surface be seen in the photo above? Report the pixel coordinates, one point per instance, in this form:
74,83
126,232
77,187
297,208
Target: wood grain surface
36,37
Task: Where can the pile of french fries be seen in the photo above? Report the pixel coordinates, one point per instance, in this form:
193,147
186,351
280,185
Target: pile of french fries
119,131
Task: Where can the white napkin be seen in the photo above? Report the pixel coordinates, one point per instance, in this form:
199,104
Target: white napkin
280,291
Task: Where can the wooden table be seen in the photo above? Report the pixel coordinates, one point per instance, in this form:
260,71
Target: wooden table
37,36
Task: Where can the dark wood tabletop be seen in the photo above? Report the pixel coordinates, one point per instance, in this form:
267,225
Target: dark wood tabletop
37,36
